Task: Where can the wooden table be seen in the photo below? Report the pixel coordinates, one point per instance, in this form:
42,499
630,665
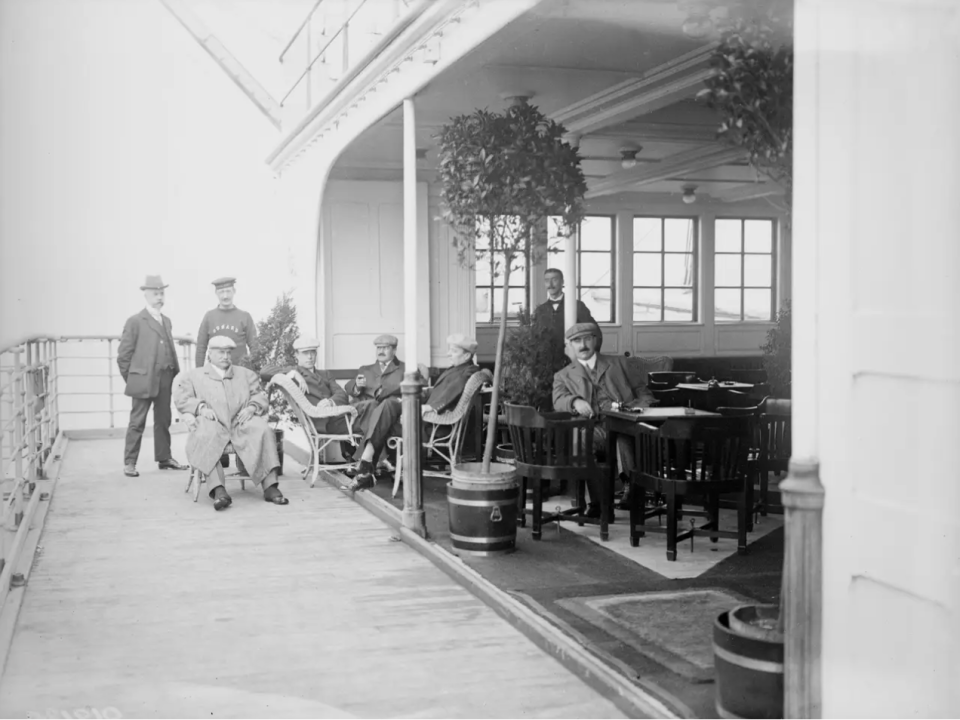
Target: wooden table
618,422
725,385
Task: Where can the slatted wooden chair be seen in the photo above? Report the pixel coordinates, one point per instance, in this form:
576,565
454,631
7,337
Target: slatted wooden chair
305,411
775,448
445,436
683,460
557,446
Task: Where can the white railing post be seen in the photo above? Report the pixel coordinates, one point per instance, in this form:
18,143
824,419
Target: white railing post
29,416
19,409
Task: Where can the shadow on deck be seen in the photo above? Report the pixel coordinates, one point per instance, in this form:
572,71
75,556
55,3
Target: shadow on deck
141,603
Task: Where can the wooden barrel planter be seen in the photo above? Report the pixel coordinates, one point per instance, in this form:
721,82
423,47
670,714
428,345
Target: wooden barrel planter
749,664
483,509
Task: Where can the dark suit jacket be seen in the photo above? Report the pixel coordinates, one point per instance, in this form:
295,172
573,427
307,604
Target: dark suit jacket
320,386
446,393
574,382
554,318
379,387
142,353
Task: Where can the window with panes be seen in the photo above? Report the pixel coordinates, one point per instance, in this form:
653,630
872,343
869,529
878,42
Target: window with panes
664,269
744,269
490,283
595,282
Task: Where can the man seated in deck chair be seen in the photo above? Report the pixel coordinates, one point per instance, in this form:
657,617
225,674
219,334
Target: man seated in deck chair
591,384
320,389
384,420
224,403
376,382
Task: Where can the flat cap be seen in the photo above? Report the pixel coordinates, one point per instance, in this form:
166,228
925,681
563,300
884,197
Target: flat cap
221,341
224,282
462,341
306,343
582,329
385,340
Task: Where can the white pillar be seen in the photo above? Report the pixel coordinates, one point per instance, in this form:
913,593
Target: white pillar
413,515
570,279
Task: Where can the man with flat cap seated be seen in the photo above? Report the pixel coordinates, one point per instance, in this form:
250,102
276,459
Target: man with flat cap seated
317,385
384,420
376,382
229,320
590,385
224,403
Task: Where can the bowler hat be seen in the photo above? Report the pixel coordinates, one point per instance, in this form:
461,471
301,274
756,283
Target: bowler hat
385,340
153,282
462,341
224,282
579,329
306,343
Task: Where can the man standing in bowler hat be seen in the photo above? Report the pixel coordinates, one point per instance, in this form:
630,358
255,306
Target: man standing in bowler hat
229,320
147,359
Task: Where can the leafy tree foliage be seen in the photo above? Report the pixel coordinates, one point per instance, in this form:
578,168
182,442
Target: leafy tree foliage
776,353
531,355
275,338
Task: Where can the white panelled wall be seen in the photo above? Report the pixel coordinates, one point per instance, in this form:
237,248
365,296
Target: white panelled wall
879,264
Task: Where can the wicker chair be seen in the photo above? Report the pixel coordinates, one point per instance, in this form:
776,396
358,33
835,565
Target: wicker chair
447,429
305,412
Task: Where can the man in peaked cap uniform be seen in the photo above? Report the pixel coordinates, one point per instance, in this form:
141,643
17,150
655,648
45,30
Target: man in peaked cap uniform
320,389
384,421
147,358
224,403
590,385
229,320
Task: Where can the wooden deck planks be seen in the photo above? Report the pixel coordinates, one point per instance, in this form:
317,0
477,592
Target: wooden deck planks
145,602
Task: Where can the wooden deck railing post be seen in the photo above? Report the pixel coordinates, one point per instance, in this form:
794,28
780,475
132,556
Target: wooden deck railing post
802,496
19,414
29,416
413,516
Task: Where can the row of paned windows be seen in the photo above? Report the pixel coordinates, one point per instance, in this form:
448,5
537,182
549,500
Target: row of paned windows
666,255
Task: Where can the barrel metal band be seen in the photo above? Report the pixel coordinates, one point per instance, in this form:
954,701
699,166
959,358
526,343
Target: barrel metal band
484,540
746,662
481,503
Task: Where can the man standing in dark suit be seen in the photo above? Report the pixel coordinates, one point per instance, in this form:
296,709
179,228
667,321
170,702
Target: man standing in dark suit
147,358
551,312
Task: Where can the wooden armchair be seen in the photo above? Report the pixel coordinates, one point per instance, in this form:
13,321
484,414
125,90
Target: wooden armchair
557,446
682,460
445,436
305,411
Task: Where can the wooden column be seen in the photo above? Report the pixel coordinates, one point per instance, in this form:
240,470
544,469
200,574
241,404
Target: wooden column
802,494
413,515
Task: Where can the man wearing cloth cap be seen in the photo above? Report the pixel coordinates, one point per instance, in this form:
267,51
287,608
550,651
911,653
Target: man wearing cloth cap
320,389
376,382
147,359
384,420
224,403
229,320
591,384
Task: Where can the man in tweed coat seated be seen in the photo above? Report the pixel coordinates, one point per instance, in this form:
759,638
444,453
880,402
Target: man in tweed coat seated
590,385
444,396
224,403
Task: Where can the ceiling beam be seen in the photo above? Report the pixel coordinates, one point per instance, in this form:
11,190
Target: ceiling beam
749,191
663,85
658,132
687,162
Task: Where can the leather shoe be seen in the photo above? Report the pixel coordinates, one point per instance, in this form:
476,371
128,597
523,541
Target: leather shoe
365,477
171,464
273,495
220,498
130,471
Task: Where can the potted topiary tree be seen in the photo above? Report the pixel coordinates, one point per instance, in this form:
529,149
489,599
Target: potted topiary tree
275,337
752,90
501,174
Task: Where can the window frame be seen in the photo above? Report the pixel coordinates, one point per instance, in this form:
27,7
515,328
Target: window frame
493,286
695,284
774,264
578,253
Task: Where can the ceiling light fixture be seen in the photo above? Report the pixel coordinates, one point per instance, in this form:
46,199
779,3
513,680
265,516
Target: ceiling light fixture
689,194
628,156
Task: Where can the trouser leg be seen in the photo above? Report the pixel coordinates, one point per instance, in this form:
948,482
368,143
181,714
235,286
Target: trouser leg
138,421
383,421
214,479
162,418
